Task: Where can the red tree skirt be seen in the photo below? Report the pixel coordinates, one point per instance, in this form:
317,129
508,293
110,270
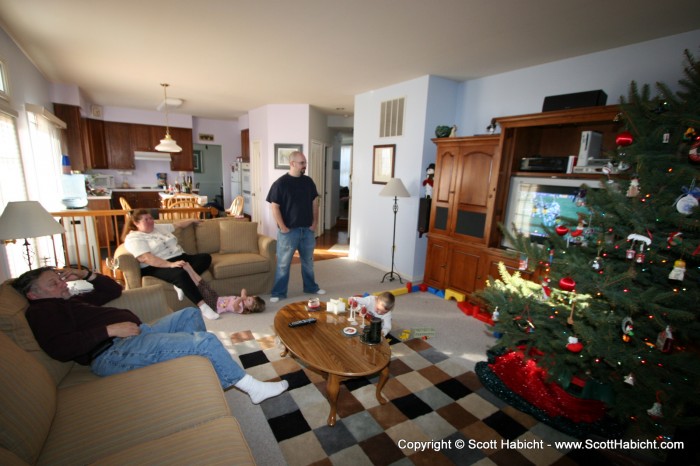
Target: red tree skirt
528,380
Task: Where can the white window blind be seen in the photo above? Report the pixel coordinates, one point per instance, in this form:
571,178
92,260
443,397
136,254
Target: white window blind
43,166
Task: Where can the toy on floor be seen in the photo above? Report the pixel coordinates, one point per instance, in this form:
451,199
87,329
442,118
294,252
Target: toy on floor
421,332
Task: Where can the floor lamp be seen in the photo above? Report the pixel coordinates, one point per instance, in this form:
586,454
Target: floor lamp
27,219
394,188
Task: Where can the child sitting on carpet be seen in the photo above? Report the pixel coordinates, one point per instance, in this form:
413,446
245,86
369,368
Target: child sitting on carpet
242,304
379,306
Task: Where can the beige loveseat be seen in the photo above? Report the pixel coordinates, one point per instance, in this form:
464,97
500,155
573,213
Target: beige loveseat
57,413
241,258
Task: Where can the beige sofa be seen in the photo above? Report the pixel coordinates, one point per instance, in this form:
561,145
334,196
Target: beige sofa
241,258
57,413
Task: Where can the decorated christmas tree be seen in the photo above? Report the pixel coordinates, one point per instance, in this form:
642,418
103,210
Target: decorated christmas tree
607,326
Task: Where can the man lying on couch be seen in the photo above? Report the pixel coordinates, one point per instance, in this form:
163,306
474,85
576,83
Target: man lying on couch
113,340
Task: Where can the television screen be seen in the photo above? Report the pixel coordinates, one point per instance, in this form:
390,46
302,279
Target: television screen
538,204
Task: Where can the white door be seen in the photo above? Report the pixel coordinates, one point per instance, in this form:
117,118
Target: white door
316,159
256,197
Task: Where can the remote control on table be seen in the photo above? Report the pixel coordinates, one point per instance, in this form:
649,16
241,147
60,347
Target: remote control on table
298,323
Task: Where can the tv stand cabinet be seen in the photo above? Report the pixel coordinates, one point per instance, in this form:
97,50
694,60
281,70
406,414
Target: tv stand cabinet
471,185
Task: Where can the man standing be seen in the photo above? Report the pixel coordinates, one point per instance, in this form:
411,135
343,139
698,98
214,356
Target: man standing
294,201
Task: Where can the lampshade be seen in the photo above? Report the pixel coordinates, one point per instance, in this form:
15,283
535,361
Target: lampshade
27,219
167,144
394,188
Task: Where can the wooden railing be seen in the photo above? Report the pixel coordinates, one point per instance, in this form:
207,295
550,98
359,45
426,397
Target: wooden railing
93,235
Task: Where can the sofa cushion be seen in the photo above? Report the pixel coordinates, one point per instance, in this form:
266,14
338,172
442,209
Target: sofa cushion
187,239
236,265
27,404
207,234
115,413
15,325
239,237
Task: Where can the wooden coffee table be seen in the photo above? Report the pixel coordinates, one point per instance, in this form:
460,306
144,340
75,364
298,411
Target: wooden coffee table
324,346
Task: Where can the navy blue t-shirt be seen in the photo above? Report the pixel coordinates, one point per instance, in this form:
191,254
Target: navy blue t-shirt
295,196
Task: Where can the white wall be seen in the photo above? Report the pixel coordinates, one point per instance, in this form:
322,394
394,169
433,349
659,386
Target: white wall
523,91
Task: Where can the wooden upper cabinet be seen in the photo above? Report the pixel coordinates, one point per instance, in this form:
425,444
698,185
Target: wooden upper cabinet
118,145
245,145
182,161
464,187
144,137
73,137
96,143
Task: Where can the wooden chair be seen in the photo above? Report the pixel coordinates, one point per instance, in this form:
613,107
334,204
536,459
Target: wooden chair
236,209
125,205
167,202
183,204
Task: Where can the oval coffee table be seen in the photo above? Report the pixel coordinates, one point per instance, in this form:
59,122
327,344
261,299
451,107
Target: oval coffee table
324,346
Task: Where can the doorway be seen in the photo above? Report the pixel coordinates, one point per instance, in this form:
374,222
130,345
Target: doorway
210,178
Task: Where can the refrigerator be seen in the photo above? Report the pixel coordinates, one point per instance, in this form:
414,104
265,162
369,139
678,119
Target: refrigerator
241,185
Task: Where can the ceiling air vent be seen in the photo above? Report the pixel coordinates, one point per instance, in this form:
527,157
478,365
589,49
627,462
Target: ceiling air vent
391,122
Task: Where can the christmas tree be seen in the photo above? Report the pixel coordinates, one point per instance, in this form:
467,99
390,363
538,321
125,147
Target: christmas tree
610,313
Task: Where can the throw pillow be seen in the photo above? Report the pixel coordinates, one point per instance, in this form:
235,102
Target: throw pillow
238,237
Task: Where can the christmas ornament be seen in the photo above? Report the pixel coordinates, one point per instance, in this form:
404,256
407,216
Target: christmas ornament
629,379
627,329
689,134
633,190
524,324
574,345
641,241
656,411
623,139
597,264
567,284
685,204
678,272
665,340
561,230
675,239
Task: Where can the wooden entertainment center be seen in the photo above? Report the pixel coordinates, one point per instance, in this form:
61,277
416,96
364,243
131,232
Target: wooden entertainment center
472,181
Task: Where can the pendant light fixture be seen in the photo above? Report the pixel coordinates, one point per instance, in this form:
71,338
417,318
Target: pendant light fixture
167,144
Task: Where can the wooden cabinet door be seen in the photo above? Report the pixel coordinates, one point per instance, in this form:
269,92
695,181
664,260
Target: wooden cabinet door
245,145
148,200
118,144
144,137
436,263
443,187
474,191
105,230
96,143
464,272
182,161
73,143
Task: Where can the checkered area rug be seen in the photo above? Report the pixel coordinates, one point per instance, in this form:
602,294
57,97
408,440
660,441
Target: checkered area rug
431,399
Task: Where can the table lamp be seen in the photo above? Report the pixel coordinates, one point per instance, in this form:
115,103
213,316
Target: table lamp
394,188
27,219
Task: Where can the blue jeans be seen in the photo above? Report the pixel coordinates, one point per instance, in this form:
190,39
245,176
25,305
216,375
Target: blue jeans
181,333
303,240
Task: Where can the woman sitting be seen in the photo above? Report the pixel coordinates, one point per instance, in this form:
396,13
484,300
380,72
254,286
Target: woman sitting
157,250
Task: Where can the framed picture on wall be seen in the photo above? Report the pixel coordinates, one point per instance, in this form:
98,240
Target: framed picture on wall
383,164
197,161
282,152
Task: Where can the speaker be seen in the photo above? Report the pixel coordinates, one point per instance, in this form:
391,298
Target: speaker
423,215
576,100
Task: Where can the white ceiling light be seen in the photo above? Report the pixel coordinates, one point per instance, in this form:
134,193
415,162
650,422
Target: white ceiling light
167,144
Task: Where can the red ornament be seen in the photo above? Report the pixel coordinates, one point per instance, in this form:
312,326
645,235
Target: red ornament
694,152
623,139
567,284
561,230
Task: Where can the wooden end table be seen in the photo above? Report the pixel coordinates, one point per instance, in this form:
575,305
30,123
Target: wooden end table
324,346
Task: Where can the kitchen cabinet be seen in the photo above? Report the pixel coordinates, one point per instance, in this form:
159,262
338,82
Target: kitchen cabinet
118,145
245,145
182,161
136,199
144,137
74,137
95,130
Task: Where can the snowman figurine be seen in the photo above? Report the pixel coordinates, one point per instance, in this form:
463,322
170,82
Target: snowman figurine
428,181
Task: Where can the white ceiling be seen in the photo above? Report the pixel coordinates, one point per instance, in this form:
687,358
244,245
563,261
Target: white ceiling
226,57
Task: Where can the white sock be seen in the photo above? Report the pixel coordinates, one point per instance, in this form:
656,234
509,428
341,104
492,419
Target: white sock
260,391
180,293
208,312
